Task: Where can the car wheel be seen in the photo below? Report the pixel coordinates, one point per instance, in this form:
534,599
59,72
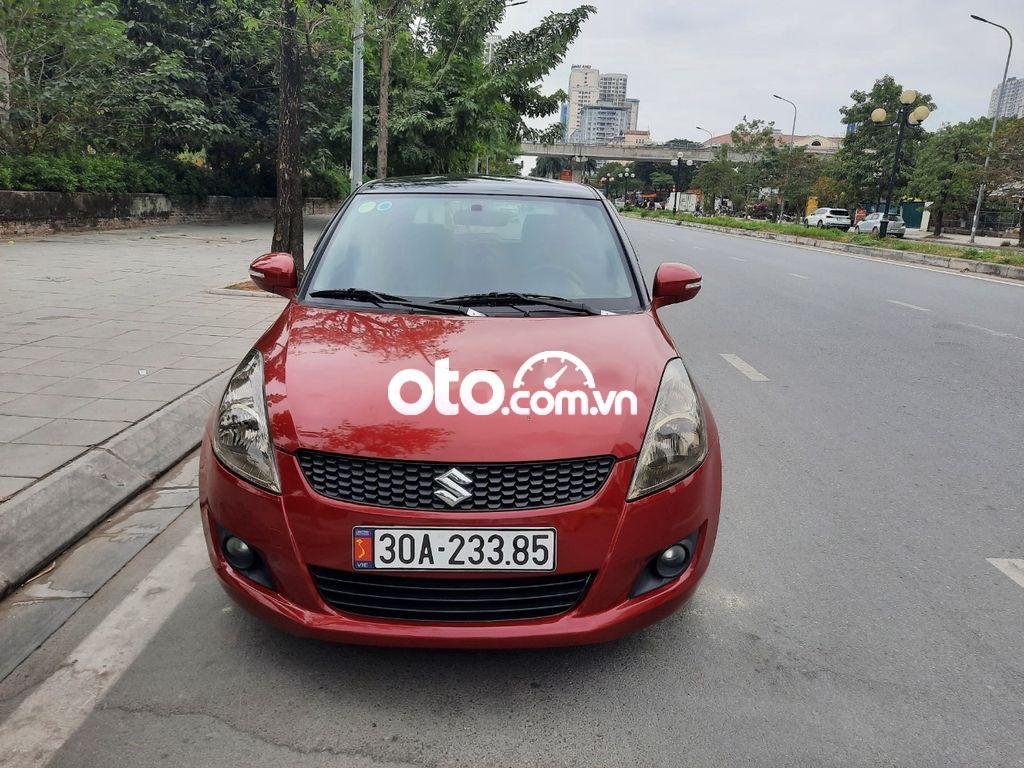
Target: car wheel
821,225
874,231
899,235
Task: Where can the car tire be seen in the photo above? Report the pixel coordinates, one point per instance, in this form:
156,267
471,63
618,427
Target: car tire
874,231
821,225
899,236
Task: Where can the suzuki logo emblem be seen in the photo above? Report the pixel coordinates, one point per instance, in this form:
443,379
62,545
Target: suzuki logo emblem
454,487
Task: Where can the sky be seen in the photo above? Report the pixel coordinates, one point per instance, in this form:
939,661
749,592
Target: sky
711,63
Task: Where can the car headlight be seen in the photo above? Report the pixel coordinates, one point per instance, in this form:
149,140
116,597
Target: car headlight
676,441
241,439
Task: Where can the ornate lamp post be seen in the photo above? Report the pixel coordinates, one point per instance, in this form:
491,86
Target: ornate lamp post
607,181
580,160
906,116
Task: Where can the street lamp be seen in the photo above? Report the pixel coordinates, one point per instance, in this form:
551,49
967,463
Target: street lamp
677,163
607,181
906,116
625,176
789,164
709,133
995,122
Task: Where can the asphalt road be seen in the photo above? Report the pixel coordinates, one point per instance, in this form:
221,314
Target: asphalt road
851,616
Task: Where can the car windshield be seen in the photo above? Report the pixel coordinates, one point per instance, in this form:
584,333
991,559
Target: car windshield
437,246
839,212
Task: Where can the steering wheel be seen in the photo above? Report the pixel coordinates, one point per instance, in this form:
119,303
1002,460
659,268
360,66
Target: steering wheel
564,276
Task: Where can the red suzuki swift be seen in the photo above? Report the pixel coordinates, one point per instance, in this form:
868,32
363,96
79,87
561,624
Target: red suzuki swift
468,428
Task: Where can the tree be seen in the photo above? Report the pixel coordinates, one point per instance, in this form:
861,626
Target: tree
683,144
288,230
718,178
1006,172
757,138
865,160
549,166
948,169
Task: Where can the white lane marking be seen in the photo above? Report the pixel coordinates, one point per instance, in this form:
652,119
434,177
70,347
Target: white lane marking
802,277
48,717
1011,567
736,258
908,306
1000,334
743,367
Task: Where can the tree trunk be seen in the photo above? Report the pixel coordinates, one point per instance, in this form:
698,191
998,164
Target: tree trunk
5,87
382,115
939,215
1020,233
288,213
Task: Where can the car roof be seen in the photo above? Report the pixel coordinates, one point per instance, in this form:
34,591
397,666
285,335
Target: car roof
478,185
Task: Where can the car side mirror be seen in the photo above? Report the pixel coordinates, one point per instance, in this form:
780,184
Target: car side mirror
275,272
674,283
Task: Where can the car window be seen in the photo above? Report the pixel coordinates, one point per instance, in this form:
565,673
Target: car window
433,246
839,212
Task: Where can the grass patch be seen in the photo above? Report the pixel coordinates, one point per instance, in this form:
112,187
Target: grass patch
1009,256
245,285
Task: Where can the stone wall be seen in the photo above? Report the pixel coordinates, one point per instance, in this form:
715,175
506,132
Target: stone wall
41,212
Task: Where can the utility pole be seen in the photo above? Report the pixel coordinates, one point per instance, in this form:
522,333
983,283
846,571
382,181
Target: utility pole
995,122
789,160
357,94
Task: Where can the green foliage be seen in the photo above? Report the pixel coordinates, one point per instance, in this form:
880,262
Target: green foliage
549,167
948,169
719,178
111,174
866,158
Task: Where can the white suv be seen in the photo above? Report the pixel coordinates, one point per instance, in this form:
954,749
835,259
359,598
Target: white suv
838,218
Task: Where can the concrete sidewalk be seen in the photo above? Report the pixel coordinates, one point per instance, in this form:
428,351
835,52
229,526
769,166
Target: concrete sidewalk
104,330
950,238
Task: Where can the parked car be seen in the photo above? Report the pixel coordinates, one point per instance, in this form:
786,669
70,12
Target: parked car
467,428
870,223
837,218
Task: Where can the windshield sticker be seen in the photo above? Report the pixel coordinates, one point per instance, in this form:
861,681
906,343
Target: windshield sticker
366,207
384,207
550,383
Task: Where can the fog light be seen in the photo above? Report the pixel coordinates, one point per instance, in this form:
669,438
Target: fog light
238,553
672,561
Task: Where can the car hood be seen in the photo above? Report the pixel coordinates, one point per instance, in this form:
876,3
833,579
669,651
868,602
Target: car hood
328,374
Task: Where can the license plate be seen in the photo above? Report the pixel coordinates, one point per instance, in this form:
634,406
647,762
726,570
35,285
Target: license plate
454,549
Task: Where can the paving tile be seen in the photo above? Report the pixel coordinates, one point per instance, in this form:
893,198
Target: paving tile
63,368
11,485
6,397
212,364
114,410
88,355
113,372
26,460
11,364
82,387
82,432
151,357
178,376
68,342
32,352
25,383
53,406
26,625
16,426
147,390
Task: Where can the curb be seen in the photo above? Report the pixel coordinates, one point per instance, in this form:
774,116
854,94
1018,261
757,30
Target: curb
1008,271
241,293
44,520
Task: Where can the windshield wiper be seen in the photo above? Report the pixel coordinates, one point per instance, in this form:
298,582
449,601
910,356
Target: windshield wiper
511,298
382,299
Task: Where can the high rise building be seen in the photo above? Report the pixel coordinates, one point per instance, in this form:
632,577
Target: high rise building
634,112
1013,99
584,88
491,42
602,123
598,110
612,87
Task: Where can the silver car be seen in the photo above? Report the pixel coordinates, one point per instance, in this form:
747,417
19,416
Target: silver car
839,218
870,224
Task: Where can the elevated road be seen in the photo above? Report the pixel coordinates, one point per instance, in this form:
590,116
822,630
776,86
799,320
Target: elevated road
650,152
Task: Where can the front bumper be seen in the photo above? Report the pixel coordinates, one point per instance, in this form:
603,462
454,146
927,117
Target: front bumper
603,535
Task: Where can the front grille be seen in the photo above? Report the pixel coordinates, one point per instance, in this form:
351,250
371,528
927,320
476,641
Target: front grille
411,484
433,599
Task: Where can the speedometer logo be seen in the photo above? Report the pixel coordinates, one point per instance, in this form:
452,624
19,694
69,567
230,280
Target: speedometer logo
549,383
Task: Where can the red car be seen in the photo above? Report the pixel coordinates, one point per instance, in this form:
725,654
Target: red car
468,428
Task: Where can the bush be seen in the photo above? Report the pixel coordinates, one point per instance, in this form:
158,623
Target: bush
109,174
329,181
